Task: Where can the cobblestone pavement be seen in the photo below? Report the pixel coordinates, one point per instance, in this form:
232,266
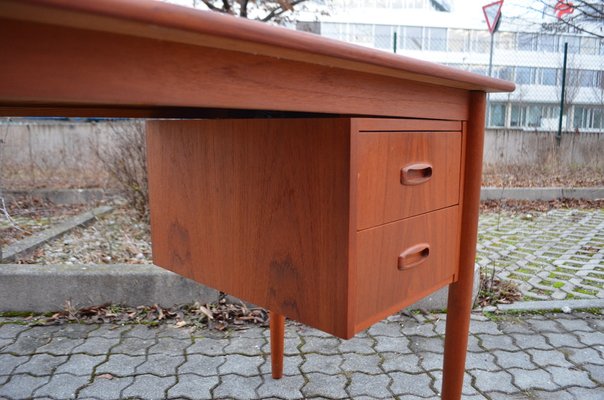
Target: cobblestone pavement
552,356
557,255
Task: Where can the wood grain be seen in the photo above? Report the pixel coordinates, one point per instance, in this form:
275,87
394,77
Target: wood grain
381,287
53,65
460,293
382,198
167,22
258,209
277,328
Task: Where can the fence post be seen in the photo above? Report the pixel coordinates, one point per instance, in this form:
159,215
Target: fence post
559,134
394,37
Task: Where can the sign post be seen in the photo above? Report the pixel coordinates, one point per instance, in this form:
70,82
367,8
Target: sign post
492,14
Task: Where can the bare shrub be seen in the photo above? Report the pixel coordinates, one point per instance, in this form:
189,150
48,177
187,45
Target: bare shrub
125,159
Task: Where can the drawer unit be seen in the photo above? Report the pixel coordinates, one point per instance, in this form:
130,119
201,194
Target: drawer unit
401,174
308,217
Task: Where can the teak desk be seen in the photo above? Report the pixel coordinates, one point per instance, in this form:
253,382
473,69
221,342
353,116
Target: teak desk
329,183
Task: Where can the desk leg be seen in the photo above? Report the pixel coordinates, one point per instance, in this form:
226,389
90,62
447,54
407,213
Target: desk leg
277,322
459,304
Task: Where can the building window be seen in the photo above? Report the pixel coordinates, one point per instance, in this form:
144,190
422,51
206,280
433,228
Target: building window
497,115
589,45
503,73
361,33
459,40
527,41
481,41
588,117
334,31
436,39
547,76
548,43
383,37
574,44
411,38
505,40
524,75
518,116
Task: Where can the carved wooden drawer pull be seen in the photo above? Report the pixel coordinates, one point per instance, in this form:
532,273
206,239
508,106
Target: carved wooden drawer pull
413,256
414,174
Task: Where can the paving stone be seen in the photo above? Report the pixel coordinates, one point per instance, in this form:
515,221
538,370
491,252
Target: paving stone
584,356
133,346
74,331
544,358
474,344
328,386
29,341
239,387
575,325
404,384
193,387
201,364
120,365
485,361
149,387
142,332
60,345
306,331
288,387
160,365
321,345
103,388
97,345
498,381
291,365
430,361
80,364
403,362
208,347
510,359
533,341
109,331
596,372
570,377
415,329
62,386
497,342
546,325
40,365
392,329
516,326
22,386
369,364
290,346
328,364
5,342
586,394
467,388
421,344
357,345
173,332
532,379
564,339
394,344
559,394
255,332
250,347
484,327
241,365
593,338
11,331
9,362
169,345
369,385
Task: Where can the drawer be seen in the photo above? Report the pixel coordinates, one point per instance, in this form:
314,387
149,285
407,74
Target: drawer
401,262
402,174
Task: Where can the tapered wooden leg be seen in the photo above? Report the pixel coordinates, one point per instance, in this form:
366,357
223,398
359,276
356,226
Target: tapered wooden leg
460,293
277,337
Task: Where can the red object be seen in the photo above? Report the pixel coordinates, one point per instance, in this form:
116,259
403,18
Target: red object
563,7
492,13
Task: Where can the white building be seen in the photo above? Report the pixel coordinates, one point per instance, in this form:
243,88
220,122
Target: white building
523,52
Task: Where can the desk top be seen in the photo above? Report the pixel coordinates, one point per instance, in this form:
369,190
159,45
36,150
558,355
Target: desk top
149,58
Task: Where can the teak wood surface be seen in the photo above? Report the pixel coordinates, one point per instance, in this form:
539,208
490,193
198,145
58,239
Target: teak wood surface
306,214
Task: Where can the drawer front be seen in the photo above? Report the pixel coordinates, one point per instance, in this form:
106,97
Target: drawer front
401,262
402,174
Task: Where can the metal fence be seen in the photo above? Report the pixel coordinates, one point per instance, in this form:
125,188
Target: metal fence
534,61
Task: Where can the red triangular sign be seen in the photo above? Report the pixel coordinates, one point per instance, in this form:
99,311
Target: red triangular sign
492,12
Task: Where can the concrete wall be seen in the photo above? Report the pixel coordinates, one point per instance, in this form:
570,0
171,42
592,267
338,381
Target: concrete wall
64,153
518,147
